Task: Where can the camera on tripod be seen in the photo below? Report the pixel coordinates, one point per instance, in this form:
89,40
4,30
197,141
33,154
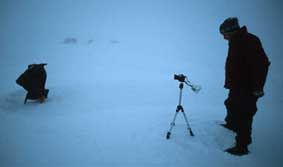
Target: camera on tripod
184,79
195,88
180,77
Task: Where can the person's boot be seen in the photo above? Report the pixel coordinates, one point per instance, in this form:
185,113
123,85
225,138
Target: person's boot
237,150
41,99
229,127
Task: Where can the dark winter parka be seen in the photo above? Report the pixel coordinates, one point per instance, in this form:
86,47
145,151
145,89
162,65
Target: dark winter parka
246,64
33,80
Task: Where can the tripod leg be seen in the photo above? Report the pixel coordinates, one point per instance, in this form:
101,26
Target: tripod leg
172,125
188,125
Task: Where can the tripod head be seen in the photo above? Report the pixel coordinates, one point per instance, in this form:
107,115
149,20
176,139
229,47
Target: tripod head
184,79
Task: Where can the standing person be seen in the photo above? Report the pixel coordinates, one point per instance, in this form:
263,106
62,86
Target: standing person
245,74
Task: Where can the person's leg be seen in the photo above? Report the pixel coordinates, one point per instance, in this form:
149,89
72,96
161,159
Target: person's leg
244,130
243,135
230,109
246,108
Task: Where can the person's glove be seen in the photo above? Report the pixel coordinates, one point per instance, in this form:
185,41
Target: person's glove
258,93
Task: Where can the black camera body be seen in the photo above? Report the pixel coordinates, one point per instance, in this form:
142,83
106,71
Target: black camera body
180,77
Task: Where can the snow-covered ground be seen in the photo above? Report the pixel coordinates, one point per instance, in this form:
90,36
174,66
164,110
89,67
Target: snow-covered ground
112,94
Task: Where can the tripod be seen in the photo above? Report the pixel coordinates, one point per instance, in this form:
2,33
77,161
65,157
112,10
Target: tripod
179,108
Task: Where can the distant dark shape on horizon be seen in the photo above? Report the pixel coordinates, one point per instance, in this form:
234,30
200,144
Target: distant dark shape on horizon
90,41
114,41
70,40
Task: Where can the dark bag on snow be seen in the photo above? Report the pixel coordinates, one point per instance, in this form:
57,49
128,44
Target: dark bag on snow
33,81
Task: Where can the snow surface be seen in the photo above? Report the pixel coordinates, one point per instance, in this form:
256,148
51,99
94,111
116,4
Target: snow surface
112,94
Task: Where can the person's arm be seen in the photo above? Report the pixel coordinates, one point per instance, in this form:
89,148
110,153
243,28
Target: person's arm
259,63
